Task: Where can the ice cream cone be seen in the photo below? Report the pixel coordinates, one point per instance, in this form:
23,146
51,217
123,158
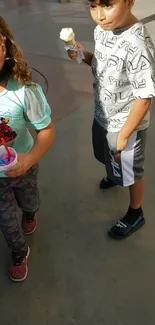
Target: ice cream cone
67,35
71,42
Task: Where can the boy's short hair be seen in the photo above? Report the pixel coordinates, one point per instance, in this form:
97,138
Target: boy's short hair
101,2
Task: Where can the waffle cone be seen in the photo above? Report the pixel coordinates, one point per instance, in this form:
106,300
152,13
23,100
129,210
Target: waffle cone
71,42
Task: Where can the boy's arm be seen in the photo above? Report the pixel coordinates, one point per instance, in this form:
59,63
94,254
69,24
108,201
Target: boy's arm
138,111
88,57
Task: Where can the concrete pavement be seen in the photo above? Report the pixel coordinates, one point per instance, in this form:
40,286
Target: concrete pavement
77,274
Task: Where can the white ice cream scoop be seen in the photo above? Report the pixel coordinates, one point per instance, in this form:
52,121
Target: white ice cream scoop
67,35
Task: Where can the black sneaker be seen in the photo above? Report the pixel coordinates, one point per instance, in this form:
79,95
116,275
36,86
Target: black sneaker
123,229
106,183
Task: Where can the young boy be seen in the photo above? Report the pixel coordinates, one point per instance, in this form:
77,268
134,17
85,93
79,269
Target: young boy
123,65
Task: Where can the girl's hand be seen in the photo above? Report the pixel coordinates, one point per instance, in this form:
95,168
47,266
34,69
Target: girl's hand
20,168
73,54
43,142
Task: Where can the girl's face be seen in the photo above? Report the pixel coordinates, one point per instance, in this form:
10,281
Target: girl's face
2,52
113,14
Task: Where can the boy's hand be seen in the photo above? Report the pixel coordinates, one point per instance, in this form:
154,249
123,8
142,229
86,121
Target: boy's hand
73,54
20,168
121,142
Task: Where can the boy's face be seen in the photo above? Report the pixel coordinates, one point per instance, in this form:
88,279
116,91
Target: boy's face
113,14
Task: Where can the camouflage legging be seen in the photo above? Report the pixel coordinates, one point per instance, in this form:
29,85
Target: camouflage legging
17,195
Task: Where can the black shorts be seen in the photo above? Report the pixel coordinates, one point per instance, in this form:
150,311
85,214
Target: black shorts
126,167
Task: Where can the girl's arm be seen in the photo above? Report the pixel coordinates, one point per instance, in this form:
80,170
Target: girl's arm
44,140
38,113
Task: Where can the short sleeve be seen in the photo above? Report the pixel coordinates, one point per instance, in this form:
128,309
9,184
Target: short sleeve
37,110
141,72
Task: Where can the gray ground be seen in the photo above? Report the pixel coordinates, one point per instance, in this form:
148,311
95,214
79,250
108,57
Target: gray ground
77,274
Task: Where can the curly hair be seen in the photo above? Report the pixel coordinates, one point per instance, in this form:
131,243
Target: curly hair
15,66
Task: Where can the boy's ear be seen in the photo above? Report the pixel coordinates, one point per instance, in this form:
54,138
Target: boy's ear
130,3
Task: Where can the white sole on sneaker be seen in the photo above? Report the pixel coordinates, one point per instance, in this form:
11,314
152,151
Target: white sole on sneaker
28,253
21,280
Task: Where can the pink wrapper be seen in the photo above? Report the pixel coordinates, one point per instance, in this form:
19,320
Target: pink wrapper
7,160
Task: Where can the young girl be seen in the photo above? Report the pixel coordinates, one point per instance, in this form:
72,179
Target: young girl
21,102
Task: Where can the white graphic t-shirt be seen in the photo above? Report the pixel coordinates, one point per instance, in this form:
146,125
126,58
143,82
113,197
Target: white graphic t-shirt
124,70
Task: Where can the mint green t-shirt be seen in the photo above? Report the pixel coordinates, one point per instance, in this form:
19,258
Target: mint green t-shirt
22,106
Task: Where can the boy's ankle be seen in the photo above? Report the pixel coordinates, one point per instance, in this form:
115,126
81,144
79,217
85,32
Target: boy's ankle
133,214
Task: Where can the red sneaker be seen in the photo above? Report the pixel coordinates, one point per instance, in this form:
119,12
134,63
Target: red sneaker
18,270
29,225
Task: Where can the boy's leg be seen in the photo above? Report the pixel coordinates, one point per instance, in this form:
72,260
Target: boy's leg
10,225
100,148
136,194
27,196
132,167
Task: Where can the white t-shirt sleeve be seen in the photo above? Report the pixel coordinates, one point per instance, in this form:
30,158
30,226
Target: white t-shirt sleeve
37,110
140,70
